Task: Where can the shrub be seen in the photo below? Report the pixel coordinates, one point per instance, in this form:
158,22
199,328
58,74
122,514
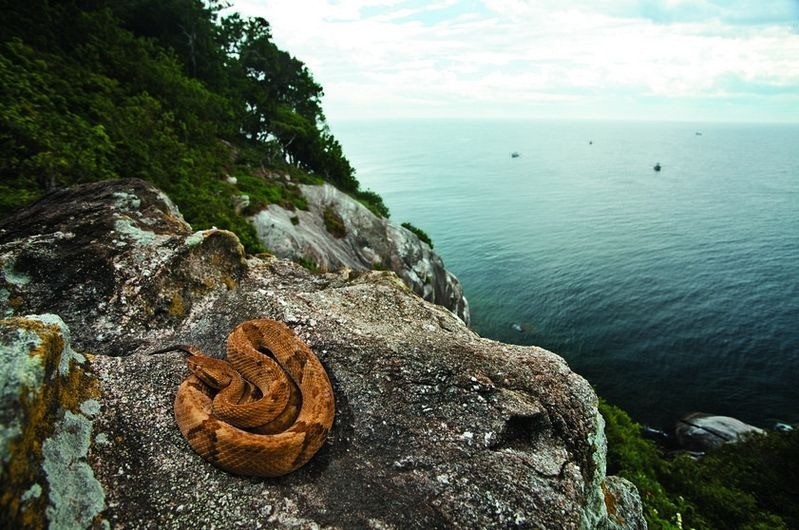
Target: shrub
334,223
421,234
373,201
308,263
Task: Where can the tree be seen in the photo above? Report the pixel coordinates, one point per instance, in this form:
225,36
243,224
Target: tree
165,90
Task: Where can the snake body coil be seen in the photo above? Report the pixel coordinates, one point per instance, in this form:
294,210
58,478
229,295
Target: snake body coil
265,411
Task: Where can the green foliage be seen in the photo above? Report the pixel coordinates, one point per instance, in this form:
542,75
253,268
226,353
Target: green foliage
264,190
744,485
45,144
373,201
334,223
748,485
308,264
210,205
378,265
167,91
638,460
421,234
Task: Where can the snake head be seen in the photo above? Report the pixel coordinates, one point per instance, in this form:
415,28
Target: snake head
215,373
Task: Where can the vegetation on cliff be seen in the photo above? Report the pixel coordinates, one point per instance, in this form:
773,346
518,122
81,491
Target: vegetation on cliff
204,106
421,234
750,485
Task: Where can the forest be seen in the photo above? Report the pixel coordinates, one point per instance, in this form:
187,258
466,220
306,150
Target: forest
204,106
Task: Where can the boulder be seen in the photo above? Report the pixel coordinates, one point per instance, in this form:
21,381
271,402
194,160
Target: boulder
337,231
702,432
435,426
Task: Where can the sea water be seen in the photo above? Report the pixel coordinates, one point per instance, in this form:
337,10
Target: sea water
671,291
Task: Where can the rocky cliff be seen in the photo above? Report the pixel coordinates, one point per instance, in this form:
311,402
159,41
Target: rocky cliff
337,231
435,426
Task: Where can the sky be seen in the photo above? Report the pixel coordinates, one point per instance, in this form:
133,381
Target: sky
697,60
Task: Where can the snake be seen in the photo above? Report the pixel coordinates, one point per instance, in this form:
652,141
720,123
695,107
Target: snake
265,410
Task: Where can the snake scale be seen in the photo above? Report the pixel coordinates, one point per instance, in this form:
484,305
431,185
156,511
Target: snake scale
265,410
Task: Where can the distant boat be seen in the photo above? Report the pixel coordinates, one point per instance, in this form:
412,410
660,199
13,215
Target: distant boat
590,142
515,154
698,133
657,167
517,327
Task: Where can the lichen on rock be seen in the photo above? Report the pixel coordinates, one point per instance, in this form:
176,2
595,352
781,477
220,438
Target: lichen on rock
21,376
76,496
46,395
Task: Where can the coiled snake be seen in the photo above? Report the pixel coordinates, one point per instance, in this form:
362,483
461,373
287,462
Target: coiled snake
265,411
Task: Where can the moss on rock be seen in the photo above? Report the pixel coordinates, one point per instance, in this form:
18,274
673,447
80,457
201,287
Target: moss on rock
334,223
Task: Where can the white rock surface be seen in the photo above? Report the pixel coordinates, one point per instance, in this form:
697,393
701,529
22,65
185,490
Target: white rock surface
370,242
702,432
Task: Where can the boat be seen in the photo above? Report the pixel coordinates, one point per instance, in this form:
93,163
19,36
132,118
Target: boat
515,154
657,167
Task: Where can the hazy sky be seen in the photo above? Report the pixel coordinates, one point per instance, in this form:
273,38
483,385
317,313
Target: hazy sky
646,59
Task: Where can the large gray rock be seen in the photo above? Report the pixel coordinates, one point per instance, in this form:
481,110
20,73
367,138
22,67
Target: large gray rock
367,242
702,432
435,427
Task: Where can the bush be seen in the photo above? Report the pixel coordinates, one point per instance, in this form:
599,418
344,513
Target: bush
334,223
308,264
421,234
638,460
373,201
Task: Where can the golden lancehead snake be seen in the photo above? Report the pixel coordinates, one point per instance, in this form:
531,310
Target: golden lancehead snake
265,410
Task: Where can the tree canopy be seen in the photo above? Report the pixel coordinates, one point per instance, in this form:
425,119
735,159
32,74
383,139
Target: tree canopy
165,90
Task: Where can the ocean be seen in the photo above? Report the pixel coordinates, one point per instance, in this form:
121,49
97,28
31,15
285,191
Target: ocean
670,291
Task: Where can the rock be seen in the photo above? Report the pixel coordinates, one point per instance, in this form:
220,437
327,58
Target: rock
622,499
435,427
240,202
702,432
783,427
369,242
47,404
116,261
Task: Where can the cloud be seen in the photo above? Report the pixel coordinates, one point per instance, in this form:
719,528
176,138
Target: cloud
510,57
741,12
